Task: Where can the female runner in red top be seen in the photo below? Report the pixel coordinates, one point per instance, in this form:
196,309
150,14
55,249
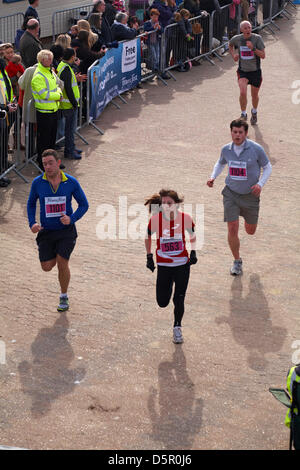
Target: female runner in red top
172,258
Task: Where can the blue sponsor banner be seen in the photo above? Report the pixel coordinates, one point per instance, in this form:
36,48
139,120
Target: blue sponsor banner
118,71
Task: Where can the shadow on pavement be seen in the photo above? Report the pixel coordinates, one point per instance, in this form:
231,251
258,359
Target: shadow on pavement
49,376
251,324
175,412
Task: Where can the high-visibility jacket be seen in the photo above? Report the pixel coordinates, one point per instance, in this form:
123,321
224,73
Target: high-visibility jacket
9,96
65,102
293,375
45,91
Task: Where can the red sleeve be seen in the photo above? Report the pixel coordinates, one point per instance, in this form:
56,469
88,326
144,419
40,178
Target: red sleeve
21,68
11,69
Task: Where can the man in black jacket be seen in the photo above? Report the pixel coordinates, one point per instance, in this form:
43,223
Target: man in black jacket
30,45
70,101
120,30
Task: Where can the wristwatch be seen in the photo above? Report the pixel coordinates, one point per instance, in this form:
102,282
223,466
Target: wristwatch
254,49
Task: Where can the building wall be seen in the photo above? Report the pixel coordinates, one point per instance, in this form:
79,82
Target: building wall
45,11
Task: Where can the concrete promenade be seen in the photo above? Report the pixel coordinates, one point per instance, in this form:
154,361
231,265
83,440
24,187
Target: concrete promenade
106,375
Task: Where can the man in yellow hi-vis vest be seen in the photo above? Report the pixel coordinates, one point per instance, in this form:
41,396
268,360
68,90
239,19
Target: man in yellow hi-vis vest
292,419
6,106
70,101
47,96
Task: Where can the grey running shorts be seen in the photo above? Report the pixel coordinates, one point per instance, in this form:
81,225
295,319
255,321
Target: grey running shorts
235,205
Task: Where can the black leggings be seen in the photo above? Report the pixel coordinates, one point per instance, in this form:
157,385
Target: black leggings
166,276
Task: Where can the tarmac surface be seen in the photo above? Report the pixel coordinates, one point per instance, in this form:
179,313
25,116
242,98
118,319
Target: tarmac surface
106,375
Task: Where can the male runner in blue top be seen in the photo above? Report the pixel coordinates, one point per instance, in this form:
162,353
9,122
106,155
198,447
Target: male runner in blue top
56,233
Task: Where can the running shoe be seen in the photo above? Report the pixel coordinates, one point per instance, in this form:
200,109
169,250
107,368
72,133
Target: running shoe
236,269
253,119
63,304
177,335
244,116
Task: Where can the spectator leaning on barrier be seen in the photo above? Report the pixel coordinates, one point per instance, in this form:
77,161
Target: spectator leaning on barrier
194,7
47,96
182,35
70,101
153,40
30,45
84,53
208,6
120,30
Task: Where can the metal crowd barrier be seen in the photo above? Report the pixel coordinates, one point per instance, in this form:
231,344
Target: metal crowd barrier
62,20
10,162
223,25
150,54
177,51
272,9
9,25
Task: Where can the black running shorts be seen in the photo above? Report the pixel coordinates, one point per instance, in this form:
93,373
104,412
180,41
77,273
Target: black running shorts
254,78
56,242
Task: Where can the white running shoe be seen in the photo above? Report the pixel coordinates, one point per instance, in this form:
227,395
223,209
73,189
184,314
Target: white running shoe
237,268
177,335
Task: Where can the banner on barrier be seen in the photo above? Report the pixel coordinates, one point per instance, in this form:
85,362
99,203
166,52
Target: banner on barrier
118,71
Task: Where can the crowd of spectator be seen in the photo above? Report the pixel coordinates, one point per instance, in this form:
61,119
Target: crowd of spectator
28,62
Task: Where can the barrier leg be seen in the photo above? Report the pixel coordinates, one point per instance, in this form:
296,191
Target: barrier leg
101,132
122,99
80,137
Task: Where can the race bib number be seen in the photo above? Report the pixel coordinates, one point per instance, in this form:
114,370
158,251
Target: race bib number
246,53
171,245
55,206
238,170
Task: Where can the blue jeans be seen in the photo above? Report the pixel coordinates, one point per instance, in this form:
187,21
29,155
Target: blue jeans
154,50
70,116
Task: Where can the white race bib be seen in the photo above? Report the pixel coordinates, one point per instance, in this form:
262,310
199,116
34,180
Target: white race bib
246,53
238,170
55,206
171,246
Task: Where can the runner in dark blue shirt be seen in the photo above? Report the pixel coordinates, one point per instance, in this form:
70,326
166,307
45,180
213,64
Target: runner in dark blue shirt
56,232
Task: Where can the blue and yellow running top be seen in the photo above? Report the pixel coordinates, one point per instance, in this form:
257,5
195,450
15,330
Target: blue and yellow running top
54,204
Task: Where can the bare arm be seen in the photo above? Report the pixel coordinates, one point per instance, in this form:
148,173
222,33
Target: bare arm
148,244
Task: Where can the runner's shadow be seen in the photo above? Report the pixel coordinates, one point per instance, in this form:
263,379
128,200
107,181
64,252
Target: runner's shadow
179,415
260,140
48,376
251,324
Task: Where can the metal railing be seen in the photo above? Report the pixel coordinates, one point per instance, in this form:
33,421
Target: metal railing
9,25
62,20
10,161
150,54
